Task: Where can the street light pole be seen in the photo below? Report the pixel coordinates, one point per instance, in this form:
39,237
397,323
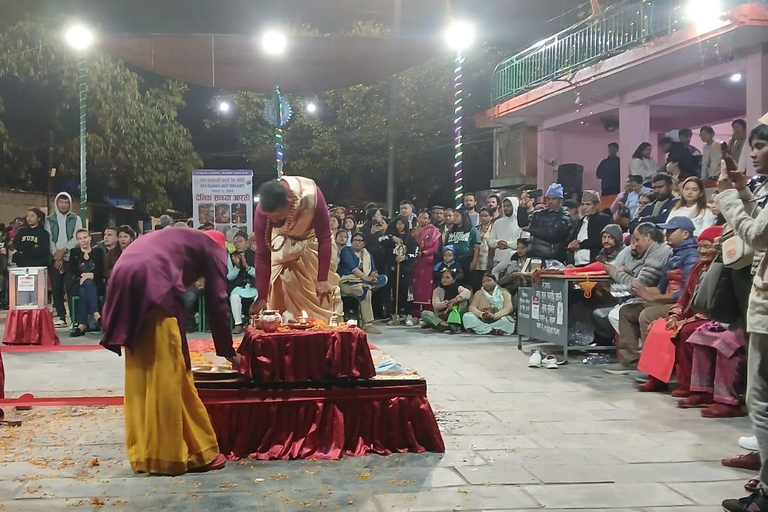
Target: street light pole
393,90
83,91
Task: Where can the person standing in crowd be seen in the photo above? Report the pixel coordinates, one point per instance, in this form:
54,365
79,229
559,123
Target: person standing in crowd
491,310
750,223
549,227
680,162
340,211
241,274
493,204
406,210
125,236
62,226
685,135
359,278
585,241
504,234
350,226
402,252
483,263
629,198
465,240
373,229
428,239
658,211
448,223
167,428
470,205
86,266
634,319
642,164
438,217
738,148
609,171
32,242
335,223
693,204
711,154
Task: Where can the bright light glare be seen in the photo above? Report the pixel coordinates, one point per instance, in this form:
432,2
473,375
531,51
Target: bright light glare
736,77
707,15
459,35
79,37
311,107
224,107
274,42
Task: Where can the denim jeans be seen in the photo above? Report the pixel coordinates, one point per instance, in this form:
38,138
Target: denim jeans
89,300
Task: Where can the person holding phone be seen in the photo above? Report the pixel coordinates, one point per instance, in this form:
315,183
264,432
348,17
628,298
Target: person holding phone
549,227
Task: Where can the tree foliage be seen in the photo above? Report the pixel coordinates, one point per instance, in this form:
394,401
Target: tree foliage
135,147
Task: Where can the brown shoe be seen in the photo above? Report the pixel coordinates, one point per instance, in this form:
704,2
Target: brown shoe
723,411
749,461
696,400
371,329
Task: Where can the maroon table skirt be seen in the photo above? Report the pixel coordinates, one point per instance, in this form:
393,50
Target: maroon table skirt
323,424
30,327
301,356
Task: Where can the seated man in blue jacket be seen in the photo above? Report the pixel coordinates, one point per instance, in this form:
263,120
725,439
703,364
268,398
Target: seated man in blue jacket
634,319
658,211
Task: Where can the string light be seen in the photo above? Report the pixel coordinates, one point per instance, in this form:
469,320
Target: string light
458,122
279,154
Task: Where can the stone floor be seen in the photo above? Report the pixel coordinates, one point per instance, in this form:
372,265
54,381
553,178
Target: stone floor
516,438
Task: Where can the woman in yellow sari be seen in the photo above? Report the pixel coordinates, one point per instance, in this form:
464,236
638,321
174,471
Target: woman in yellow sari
293,253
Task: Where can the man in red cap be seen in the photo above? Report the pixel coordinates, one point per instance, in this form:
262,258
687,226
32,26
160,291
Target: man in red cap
167,428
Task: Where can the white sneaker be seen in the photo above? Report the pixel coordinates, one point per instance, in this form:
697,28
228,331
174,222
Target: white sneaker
749,443
550,362
58,323
409,321
535,360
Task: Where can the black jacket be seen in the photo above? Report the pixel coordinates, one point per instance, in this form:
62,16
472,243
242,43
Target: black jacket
609,174
32,247
549,231
655,213
78,265
594,241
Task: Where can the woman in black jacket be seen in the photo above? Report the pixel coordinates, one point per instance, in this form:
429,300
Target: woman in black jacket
86,266
401,252
32,242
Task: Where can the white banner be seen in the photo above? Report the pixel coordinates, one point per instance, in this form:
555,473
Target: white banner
223,197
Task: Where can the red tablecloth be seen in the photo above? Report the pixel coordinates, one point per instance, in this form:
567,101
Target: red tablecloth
301,356
323,424
30,327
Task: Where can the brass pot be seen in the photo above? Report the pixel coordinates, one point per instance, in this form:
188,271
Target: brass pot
270,321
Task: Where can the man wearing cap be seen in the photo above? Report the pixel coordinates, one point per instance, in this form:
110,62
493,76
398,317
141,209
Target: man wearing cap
585,241
549,227
241,274
634,319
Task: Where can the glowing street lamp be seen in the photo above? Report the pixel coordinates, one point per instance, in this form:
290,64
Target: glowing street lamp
80,38
225,107
311,107
706,15
274,42
458,36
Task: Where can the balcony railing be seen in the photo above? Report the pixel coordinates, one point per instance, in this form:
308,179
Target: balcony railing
619,28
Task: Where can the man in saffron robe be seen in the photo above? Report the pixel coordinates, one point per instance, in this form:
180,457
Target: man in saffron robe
167,428
293,250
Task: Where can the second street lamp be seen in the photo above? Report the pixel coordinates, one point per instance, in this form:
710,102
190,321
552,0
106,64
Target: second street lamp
80,38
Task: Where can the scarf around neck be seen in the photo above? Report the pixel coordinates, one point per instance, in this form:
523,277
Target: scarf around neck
496,300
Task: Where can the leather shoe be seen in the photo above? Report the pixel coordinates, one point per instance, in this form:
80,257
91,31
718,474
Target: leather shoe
749,461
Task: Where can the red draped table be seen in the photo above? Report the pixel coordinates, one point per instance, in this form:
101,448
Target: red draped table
30,327
302,356
315,394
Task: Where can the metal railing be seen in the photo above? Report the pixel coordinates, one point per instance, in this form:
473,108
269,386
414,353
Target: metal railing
618,28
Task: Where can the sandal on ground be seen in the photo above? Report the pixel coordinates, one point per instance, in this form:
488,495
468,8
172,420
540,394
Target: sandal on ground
752,485
217,464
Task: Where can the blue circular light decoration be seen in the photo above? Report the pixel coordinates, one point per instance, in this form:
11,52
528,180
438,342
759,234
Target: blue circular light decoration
278,111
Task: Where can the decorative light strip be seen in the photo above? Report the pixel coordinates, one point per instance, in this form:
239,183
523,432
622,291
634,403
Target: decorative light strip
458,121
279,154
